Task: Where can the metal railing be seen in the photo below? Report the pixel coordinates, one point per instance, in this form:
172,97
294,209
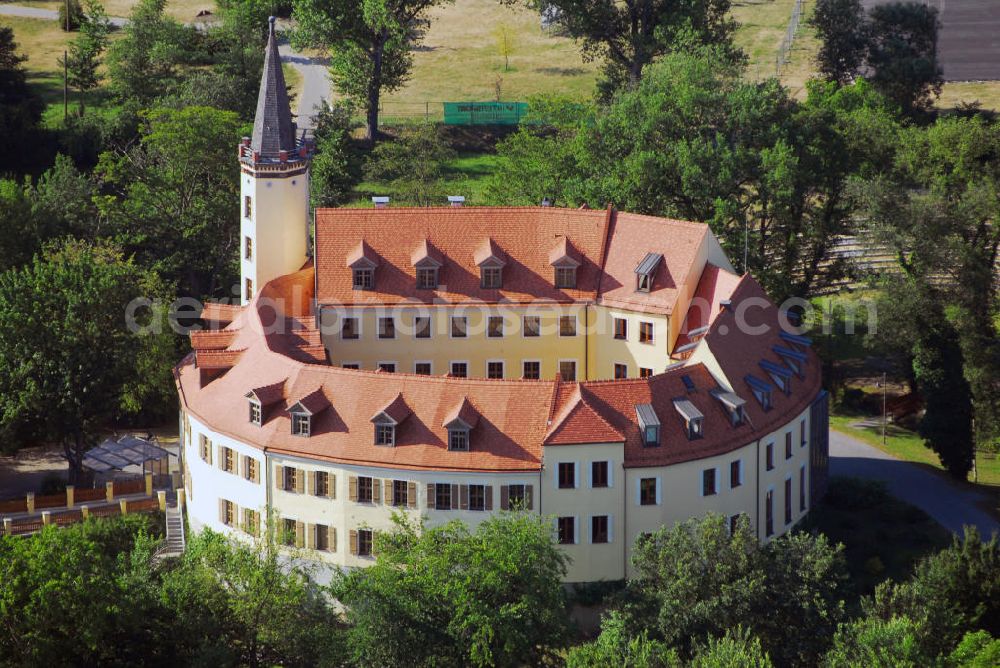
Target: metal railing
785,48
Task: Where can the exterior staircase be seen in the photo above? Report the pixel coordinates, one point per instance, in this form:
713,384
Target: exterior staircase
173,546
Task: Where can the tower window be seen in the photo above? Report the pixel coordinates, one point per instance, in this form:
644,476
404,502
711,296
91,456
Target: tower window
249,288
247,206
248,252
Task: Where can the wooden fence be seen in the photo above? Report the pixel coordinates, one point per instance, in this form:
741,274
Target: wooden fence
29,525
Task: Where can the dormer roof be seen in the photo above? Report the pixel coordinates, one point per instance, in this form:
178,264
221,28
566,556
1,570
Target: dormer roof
579,422
268,394
273,130
395,412
426,255
488,254
563,254
362,257
311,404
463,416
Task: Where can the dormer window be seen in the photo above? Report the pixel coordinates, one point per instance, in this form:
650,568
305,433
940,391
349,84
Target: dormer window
565,277
301,424
649,425
761,391
385,434
694,420
458,439
733,404
782,376
364,279
795,359
255,412
491,278
646,271
427,278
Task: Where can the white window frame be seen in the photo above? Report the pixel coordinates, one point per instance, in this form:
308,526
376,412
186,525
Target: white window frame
576,476
532,360
503,363
503,326
576,325
715,491
358,362
465,362
790,485
356,318
590,473
378,328
576,529
611,530
638,490
451,329
614,364
430,327
525,329
741,479
576,368
430,362
394,363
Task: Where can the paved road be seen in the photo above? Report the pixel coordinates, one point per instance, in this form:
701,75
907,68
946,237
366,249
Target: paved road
315,82
952,505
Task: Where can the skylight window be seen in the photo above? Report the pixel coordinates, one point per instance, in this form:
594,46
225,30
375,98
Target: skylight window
649,425
645,272
761,391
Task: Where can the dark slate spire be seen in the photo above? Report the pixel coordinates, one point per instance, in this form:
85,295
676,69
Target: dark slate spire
272,126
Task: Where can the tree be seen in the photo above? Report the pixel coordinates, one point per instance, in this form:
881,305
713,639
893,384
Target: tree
174,197
506,41
85,50
842,30
977,650
877,643
20,108
952,592
75,16
336,166
632,34
614,647
239,38
411,166
69,366
452,596
370,45
902,53
738,648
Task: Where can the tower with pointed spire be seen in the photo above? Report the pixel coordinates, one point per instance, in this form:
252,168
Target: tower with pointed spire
274,185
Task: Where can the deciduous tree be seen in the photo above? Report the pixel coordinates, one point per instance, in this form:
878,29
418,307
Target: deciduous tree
842,30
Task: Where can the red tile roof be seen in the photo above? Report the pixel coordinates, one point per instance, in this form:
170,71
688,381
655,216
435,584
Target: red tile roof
579,422
218,314
465,412
212,339
715,285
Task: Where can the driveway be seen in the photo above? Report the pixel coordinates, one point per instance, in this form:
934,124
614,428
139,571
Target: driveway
951,504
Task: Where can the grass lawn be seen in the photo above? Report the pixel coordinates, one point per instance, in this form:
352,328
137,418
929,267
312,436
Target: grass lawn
182,10
762,27
883,537
465,175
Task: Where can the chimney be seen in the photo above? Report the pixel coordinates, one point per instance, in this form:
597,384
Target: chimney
380,202
456,200
546,201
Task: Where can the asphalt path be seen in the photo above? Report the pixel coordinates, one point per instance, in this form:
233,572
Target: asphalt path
951,504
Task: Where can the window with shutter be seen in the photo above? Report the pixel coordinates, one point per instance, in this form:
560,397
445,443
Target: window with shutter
332,535
411,494
431,495
477,497
288,531
376,490
454,497
463,497
504,498
442,496
400,493
353,540
352,488
279,476
365,541
387,489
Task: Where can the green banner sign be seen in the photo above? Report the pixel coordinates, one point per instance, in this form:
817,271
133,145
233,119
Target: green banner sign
484,113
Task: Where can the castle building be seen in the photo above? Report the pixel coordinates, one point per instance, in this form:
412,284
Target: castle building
604,369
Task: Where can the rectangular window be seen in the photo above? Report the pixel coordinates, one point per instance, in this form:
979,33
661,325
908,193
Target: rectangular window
769,452
494,369
228,513
532,325
385,434
567,475
228,460
387,367
460,369
386,328
515,496
565,277
494,329
291,475
802,433
802,488
651,436
734,523
250,469
442,496
301,424
251,521
349,328
364,279
531,370
255,414
288,528
459,327
321,537
458,439
422,327
769,513
350,365
647,492
427,278
567,370
598,474
248,248
364,542
567,325
248,286
400,493
205,447
709,484
645,332
645,372
322,486
422,368
567,530
621,371
599,529
735,474
788,501
477,497
788,445
247,206
491,278
621,329
365,487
